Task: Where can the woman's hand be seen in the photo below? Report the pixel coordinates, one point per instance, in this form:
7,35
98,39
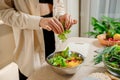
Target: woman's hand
52,24
67,20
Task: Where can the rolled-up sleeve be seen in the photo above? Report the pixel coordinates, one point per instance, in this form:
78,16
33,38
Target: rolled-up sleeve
18,19
58,8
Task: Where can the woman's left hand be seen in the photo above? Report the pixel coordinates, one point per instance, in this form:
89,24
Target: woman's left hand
67,20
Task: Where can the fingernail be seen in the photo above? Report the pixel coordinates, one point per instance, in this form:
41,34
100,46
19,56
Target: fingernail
74,21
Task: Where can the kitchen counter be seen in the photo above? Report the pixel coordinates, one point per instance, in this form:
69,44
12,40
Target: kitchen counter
88,67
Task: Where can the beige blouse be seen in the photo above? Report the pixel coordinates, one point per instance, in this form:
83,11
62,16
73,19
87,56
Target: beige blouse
23,17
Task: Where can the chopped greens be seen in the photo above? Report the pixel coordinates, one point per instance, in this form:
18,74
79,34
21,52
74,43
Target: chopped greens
98,58
63,36
58,61
111,56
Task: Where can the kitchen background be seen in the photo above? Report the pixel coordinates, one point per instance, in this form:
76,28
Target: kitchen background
83,10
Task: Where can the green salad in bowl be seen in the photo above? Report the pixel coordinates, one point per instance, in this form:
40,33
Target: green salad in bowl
65,62
111,59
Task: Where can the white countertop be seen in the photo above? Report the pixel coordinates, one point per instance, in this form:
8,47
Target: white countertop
46,73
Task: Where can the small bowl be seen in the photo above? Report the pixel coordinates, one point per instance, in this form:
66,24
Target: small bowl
114,71
63,70
102,39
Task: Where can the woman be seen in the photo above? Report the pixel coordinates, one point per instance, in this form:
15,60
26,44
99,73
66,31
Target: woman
46,10
24,18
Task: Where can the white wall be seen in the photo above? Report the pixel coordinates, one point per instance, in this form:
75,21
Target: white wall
84,14
97,8
72,8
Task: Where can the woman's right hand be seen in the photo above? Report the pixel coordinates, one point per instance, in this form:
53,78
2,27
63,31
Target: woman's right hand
52,24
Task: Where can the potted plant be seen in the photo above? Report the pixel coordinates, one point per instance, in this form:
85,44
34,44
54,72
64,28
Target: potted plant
111,59
106,29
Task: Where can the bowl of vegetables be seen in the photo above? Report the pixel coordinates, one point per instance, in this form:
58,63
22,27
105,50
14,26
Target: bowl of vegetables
112,63
109,41
106,29
110,56
65,62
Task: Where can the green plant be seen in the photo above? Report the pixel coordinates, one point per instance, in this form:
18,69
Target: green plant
106,25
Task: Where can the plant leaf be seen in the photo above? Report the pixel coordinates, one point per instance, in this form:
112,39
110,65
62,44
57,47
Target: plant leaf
93,21
63,36
98,58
